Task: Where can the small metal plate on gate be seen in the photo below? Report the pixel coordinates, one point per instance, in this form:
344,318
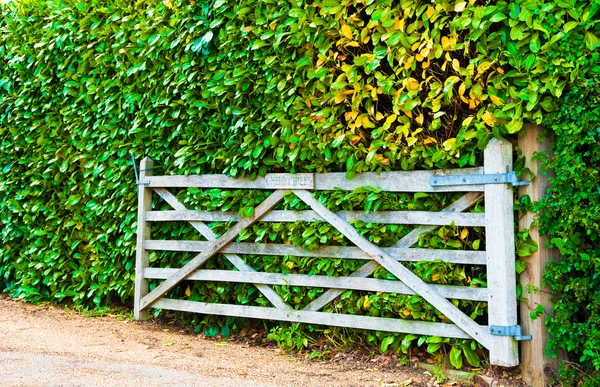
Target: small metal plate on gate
498,178
513,330
290,181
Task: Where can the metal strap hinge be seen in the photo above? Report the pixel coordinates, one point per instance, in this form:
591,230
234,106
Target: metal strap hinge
513,330
497,178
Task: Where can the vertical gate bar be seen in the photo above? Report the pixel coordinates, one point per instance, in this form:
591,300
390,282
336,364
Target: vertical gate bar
143,233
500,251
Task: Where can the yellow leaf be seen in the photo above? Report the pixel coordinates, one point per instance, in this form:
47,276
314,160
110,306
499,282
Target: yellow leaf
483,67
461,89
346,31
500,70
349,116
464,233
467,121
455,65
413,84
435,277
488,118
429,140
460,6
169,343
419,119
290,265
419,58
272,26
409,62
167,4
188,291
446,43
449,144
425,65
339,97
415,45
406,312
430,11
425,52
496,100
390,119
366,303
248,29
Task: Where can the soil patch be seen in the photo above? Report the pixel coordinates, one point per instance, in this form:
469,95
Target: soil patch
51,346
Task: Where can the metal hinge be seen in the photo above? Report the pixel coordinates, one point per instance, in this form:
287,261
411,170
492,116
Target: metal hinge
498,178
513,330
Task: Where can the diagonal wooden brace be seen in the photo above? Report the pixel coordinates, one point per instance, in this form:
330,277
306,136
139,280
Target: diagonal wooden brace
411,280
408,240
238,262
213,249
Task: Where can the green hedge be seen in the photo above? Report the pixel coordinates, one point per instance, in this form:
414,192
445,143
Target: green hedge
249,87
571,219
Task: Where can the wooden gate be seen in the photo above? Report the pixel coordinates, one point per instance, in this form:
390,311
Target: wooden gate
499,337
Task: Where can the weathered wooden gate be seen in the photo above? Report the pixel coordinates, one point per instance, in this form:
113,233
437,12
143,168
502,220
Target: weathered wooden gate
494,180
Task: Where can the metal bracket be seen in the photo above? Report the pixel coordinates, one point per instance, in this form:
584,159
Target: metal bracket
498,178
514,330
137,179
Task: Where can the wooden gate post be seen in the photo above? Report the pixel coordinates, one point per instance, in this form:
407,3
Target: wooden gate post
143,233
537,369
500,251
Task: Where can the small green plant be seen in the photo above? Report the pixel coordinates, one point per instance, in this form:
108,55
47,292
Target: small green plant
290,338
320,354
437,373
404,360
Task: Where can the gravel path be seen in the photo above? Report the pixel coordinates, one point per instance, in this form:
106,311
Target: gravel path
48,346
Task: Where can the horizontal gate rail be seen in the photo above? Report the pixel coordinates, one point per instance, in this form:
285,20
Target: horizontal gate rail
400,254
387,217
413,181
320,281
499,256
321,318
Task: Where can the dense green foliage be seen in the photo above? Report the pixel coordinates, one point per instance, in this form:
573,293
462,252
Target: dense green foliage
571,218
250,87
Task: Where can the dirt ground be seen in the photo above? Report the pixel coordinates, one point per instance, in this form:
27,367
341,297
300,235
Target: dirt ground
51,346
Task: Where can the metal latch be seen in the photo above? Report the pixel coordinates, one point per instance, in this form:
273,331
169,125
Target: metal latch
514,331
135,171
497,178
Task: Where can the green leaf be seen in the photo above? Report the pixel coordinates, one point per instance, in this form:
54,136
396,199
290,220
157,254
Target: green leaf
591,41
570,25
385,343
456,357
471,356
153,39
